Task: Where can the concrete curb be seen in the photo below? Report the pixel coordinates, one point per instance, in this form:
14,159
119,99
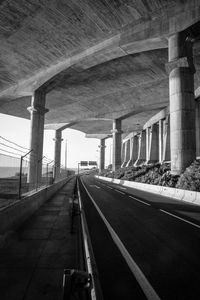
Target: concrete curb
177,194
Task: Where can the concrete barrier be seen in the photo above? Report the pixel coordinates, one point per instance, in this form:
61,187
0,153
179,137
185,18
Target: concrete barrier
177,194
14,215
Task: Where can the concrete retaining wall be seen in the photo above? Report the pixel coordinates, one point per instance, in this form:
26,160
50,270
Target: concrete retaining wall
14,215
178,194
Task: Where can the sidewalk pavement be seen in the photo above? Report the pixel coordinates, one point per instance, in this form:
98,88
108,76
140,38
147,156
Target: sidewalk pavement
33,259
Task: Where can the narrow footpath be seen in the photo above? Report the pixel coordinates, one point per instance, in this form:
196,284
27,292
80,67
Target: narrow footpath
32,260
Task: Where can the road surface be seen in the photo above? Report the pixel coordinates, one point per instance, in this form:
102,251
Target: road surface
145,246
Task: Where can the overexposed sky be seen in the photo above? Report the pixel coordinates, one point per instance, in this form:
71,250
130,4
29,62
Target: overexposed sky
78,147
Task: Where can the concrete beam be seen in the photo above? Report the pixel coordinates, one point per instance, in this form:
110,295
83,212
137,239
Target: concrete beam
157,117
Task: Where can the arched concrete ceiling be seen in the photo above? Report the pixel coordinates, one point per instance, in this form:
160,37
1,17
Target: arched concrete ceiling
97,60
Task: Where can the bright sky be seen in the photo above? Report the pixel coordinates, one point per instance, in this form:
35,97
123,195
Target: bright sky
79,148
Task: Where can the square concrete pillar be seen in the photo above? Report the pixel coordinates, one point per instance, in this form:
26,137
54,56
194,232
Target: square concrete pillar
128,161
135,148
160,125
197,125
124,161
142,149
123,151
147,143
153,140
117,143
166,139
102,155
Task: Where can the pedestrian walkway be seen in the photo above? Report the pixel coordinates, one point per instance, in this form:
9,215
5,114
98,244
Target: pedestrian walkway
33,259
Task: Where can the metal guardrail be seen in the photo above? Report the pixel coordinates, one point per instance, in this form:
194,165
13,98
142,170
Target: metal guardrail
77,281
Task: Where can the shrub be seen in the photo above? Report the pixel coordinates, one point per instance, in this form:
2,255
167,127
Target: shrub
190,179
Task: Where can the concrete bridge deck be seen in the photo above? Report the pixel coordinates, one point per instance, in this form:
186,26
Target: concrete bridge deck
32,259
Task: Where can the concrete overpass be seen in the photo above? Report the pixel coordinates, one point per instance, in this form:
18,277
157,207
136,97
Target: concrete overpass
98,66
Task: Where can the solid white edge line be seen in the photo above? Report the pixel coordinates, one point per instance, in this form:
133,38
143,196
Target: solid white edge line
186,221
140,277
140,200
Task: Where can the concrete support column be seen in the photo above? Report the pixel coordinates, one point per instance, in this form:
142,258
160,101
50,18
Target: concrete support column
37,111
124,161
102,155
197,119
160,124
123,151
135,148
117,141
142,149
130,151
166,139
57,153
147,143
153,155
182,104
127,154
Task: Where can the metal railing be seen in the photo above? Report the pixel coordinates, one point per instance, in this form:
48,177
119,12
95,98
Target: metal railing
82,284
14,175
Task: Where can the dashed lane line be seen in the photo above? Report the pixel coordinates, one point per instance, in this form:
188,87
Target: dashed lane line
140,201
186,221
94,185
139,275
109,187
119,192
121,188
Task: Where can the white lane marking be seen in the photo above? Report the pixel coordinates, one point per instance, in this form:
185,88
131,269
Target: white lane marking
109,187
119,192
186,221
121,188
94,185
139,200
140,277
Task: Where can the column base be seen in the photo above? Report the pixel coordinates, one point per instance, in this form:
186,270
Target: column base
166,161
139,162
148,162
129,163
124,164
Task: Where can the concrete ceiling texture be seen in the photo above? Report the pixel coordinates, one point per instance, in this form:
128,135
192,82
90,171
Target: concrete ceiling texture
97,60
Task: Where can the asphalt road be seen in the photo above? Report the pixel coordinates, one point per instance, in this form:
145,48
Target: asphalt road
145,246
